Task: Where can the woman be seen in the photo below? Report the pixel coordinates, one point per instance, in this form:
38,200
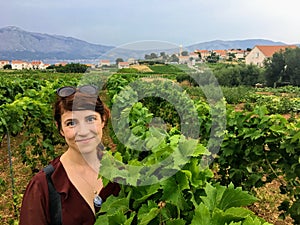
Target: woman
80,116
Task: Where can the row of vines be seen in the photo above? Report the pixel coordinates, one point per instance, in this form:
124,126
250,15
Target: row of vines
257,146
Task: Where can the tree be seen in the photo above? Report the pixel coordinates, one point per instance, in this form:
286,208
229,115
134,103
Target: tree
213,58
231,56
174,58
274,68
292,65
238,74
251,75
184,53
199,55
7,67
283,68
153,56
70,68
163,55
119,60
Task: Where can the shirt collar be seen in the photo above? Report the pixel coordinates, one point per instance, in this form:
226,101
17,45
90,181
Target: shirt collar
60,178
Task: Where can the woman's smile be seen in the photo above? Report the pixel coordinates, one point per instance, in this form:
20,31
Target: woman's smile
84,140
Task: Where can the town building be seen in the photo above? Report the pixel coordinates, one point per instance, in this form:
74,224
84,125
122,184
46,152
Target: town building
3,63
260,53
122,65
19,65
104,62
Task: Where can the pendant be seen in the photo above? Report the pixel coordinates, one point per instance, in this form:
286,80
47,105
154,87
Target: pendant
97,201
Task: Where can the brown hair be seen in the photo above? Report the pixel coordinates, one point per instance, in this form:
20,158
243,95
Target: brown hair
80,101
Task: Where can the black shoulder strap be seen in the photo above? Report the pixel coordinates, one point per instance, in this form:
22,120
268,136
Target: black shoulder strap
54,198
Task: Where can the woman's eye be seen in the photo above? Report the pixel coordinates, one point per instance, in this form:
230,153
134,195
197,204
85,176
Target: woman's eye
71,123
91,118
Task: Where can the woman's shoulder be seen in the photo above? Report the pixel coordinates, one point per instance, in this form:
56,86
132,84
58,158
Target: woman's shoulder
56,162
40,175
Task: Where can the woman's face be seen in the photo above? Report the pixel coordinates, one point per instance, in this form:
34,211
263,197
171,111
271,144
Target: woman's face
82,130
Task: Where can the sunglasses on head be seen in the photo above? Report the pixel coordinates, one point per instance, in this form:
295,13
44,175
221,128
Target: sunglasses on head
70,90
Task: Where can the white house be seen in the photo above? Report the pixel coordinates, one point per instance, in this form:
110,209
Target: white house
3,63
203,53
184,59
36,65
104,62
122,65
19,65
260,53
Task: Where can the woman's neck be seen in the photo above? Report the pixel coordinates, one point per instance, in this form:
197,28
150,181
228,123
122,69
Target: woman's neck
82,160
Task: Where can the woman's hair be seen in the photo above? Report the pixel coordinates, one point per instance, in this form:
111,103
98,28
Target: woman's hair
80,101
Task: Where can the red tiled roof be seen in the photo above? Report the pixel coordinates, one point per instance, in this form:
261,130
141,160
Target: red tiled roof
104,61
220,52
61,63
123,63
269,50
36,62
17,62
202,51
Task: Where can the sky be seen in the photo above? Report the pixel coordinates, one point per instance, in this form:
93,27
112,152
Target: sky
180,22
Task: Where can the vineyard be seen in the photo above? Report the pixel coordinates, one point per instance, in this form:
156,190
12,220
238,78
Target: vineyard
185,150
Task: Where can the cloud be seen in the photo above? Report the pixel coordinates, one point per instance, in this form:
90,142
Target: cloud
178,21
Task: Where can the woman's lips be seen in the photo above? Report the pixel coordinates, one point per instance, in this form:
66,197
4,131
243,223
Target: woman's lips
84,140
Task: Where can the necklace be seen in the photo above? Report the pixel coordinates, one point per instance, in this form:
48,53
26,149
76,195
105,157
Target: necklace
97,199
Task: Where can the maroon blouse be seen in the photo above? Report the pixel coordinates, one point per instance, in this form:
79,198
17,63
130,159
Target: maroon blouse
75,210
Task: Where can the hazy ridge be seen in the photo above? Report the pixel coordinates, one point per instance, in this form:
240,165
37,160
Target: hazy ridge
16,43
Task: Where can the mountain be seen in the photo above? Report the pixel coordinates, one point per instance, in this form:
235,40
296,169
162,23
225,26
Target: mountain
16,43
237,44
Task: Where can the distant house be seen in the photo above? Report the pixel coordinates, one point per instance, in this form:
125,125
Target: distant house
3,63
60,63
104,62
260,53
132,61
239,54
203,53
90,65
36,65
122,65
221,53
46,65
19,65
183,59
194,55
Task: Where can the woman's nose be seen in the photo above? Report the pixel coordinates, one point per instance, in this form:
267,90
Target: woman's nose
83,129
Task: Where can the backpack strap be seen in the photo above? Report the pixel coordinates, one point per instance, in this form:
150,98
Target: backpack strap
54,198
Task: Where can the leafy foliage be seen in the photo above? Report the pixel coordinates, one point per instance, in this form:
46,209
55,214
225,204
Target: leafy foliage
231,75
186,197
69,68
265,143
283,68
